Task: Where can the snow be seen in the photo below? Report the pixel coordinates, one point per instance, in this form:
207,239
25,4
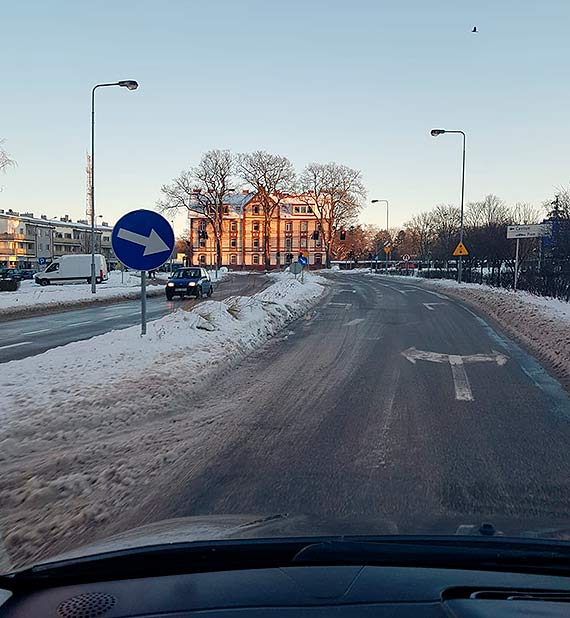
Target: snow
31,296
102,408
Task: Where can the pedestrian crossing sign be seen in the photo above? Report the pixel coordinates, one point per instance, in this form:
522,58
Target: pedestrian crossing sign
387,250
460,250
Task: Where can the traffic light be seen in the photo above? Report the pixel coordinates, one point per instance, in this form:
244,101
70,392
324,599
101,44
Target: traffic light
343,234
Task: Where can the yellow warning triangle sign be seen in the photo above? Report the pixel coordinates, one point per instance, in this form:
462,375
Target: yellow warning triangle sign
460,250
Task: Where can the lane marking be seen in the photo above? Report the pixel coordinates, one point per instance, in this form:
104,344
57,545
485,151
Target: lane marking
460,379
431,306
78,324
15,345
35,332
354,322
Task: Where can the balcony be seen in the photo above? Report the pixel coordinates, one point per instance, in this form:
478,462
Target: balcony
20,237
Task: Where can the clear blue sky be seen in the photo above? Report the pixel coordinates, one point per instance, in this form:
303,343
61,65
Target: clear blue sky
359,82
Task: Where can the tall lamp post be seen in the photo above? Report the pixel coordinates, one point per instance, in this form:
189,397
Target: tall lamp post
387,227
436,133
130,84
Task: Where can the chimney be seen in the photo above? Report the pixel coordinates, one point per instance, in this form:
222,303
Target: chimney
245,191
44,217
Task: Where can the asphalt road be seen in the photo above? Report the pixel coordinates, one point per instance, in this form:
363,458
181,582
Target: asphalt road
35,334
388,402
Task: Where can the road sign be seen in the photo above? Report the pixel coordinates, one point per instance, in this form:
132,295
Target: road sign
460,250
406,257
296,267
41,261
303,260
142,239
387,250
528,231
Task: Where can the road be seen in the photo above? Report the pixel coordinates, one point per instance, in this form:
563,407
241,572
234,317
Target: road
388,402
35,334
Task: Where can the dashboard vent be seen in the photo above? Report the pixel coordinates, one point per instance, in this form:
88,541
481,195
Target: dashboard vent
87,605
522,595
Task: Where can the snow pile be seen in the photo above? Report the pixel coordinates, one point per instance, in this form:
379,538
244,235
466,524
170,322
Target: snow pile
95,418
32,297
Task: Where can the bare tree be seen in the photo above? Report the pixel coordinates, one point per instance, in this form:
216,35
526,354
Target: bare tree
336,194
202,190
273,178
524,213
446,221
420,234
5,160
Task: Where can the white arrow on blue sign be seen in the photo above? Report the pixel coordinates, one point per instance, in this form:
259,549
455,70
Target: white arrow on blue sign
142,240
303,260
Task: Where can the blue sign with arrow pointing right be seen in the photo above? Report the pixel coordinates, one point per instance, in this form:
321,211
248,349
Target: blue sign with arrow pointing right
142,240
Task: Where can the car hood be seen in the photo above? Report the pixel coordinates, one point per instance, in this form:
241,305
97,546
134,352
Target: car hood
178,282
230,527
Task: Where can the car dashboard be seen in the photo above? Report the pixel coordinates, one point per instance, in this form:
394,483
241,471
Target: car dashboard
308,591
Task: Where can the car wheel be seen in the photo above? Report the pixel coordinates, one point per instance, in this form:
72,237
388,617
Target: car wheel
44,282
169,296
198,292
210,290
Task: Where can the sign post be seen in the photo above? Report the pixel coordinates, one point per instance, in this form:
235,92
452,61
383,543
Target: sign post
525,231
142,240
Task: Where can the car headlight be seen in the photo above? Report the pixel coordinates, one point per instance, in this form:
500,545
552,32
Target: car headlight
170,284
191,284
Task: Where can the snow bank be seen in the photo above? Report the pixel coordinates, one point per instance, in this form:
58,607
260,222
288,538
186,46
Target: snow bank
94,419
31,297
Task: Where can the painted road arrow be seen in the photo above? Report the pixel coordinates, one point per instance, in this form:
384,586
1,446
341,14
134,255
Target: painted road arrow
152,243
457,362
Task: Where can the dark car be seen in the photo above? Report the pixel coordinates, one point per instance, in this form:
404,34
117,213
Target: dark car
12,273
189,282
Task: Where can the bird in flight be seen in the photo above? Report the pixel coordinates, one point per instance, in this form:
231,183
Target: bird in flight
474,30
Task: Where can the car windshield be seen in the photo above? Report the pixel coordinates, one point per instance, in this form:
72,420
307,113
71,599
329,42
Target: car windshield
300,268
186,273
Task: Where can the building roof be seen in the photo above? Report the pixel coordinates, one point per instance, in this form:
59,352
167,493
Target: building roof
53,222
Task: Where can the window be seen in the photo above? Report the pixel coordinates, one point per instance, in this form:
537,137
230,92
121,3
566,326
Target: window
233,259
41,246
303,226
202,242
288,226
256,226
318,258
58,235
256,243
106,238
233,243
296,210
67,234
202,259
20,245
202,225
303,242
256,259
256,210
288,244
233,226
52,267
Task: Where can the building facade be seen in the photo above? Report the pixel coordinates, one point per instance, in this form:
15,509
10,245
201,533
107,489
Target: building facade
294,228
24,239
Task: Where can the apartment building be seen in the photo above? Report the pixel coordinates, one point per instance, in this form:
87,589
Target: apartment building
294,229
25,238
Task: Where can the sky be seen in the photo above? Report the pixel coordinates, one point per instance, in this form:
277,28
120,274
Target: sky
360,83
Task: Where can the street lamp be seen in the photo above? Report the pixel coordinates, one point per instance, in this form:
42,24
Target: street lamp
436,133
129,84
387,230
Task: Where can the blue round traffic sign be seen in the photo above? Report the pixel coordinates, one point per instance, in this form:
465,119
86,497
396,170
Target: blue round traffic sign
41,261
142,239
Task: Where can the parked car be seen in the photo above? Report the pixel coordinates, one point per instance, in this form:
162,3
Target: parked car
192,281
73,268
12,273
28,273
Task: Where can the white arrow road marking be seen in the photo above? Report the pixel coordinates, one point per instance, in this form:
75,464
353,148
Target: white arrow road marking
354,322
152,244
460,380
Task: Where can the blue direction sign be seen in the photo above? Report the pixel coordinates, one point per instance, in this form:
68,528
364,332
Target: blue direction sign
142,240
41,261
303,260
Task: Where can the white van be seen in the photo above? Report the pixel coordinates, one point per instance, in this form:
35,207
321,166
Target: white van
73,268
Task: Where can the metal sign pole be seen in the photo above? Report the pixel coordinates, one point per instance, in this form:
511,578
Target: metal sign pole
143,302
517,265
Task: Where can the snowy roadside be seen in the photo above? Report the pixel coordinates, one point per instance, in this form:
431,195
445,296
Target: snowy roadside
541,324
95,420
32,299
